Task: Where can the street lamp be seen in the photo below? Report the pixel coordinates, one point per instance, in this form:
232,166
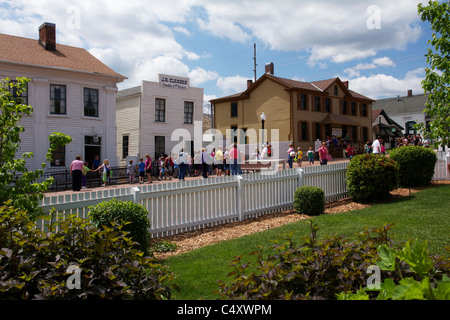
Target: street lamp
263,119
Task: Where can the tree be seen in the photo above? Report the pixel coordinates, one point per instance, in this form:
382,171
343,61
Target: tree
17,183
437,80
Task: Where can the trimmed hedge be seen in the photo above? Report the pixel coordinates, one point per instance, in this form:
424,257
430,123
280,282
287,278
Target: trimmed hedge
132,216
415,165
371,177
309,200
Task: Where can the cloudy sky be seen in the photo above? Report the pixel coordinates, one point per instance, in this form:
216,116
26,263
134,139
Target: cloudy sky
377,45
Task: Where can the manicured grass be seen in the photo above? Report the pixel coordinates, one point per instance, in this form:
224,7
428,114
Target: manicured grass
423,215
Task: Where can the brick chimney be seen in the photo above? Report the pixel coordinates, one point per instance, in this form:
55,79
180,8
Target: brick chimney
249,83
47,36
270,68
345,84
409,93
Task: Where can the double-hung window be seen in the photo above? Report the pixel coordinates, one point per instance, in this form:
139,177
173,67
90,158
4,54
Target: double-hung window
160,110
188,112
90,102
57,99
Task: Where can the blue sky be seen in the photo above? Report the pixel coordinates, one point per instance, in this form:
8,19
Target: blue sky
378,46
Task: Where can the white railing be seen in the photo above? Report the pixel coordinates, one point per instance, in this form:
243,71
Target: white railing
194,204
441,168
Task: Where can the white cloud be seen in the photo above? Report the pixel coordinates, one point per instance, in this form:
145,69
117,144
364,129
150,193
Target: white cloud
377,62
386,86
232,85
138,38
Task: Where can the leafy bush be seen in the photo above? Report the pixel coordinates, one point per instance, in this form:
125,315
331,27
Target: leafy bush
425,283
316,270
415,165
163,246
309,200
132,215
34,265
371,177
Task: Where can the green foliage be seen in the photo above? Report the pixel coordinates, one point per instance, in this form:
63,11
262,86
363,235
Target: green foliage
314,270
163,246
370,177
334,268
309,200
415,165
427,279
17,183
437,80
134,218
34,265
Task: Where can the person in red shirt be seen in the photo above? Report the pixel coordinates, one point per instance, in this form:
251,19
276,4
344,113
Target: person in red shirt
351,152
234,156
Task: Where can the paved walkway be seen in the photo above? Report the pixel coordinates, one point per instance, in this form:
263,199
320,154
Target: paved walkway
122,185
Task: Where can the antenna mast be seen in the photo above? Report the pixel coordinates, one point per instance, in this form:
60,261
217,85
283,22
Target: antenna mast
254,61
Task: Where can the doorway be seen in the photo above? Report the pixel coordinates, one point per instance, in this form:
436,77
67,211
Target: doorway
92,148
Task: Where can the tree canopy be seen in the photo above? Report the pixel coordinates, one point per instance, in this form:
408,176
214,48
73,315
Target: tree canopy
437,79
18,184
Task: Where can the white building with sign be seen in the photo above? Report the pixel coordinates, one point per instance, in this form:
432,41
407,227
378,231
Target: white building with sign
158,117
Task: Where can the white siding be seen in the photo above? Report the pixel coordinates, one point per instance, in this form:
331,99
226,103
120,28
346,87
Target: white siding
41,124
128,120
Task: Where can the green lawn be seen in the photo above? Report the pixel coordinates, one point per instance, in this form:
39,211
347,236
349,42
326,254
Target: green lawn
423,215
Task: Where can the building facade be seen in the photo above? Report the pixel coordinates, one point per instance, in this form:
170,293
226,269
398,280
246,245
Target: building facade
70,91
386,128
298,112
157,117
405,110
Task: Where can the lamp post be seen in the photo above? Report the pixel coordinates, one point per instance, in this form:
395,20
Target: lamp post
263,119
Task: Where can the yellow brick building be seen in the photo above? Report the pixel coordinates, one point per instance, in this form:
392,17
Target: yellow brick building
302,112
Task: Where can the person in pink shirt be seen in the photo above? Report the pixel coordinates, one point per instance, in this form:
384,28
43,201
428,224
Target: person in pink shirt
76,170
323,154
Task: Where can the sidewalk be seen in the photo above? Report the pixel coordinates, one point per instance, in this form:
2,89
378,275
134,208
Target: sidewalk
305,163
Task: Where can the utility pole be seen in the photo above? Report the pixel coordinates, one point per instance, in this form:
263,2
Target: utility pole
254,61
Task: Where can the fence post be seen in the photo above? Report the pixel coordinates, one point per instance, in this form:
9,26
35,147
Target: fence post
240,197
136,192
300,177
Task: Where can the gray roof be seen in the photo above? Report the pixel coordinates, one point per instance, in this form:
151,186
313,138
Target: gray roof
129,92
398,105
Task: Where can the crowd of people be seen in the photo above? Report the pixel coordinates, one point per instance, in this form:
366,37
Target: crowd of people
219,162
181,165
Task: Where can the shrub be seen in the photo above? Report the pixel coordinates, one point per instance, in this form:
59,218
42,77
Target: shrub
424,283
318,269
371,177
309,200
132,215
415,165
34,265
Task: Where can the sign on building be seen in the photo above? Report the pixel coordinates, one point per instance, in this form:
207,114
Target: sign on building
173,82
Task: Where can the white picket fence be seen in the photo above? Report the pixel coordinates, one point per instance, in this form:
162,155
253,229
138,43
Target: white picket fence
440,171
194,204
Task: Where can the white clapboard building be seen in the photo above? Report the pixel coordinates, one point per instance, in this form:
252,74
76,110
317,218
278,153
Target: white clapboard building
158,118
71,92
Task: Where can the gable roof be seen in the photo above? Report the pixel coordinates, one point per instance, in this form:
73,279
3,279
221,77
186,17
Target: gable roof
314,87
381,112
25,51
